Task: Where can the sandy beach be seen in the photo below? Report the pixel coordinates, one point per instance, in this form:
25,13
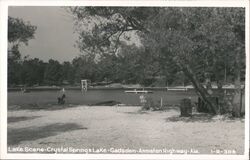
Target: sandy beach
123,128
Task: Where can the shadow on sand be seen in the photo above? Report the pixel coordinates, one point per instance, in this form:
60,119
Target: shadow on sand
204,118
137,112
164,109
22,118
199,117
15,136
36,106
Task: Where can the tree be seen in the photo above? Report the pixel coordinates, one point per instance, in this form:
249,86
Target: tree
68,72
139,65
195,39
14,66
53,73
84,67
32,71
107,69
198,43
18,32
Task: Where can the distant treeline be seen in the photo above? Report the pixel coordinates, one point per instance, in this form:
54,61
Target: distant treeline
134,66
130,69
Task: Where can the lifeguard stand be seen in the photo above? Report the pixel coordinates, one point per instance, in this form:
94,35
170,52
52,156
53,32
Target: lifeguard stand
84,85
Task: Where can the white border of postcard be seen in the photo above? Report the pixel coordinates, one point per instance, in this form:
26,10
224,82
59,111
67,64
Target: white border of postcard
4,4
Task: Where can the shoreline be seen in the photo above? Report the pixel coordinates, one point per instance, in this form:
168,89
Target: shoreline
177,88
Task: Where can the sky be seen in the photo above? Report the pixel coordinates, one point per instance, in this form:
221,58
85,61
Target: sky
54,37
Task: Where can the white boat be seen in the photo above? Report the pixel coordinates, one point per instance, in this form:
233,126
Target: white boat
138,91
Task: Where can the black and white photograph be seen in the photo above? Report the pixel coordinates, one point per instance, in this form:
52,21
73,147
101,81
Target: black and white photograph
157,80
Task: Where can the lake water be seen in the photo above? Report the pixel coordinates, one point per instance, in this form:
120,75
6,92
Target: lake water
95,96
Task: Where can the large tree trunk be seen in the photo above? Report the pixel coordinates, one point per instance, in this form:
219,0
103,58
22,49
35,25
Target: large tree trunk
201,91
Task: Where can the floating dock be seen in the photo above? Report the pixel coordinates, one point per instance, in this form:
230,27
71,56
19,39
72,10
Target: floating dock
138,91
177,89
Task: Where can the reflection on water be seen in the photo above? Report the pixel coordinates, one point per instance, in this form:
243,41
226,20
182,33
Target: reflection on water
95,96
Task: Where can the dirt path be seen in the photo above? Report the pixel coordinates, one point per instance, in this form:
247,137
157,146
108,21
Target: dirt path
122,127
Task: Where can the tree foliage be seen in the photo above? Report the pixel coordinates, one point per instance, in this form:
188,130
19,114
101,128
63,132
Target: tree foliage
32,71
197,40
53,73
20,31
